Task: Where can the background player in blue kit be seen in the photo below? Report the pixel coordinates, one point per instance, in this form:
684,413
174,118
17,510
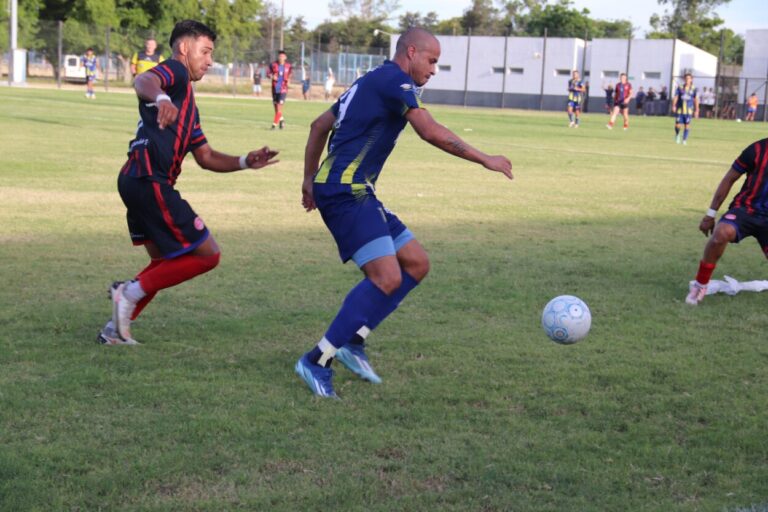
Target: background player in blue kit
90,63
366,121
575,97
177,240
686,102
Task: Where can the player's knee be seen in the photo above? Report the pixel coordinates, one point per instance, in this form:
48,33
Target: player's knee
724,234
210,262
388,281
418,269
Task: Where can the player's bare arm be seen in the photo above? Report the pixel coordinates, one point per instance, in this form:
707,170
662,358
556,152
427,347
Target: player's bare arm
148,88
318,136
707,224
212,160
443,138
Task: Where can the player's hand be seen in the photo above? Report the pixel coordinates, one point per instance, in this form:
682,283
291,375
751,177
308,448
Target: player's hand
500,164
261,158
167,113
707,225
307,195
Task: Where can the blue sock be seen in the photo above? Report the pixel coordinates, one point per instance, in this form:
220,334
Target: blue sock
570,117
362,303
577,121
685,134
677,130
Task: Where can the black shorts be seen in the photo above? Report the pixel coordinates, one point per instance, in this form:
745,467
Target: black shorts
157,213
622,106
278,97
747,225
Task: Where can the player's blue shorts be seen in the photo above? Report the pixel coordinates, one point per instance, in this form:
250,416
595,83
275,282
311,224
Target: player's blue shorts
683,118
575,105
751,110
364,230
748,224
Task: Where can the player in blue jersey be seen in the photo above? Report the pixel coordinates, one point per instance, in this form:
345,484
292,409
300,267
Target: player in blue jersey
686,102
746,216
90,63
365,123
575,98
179,244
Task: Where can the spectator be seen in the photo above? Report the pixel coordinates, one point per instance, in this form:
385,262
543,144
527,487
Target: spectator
752,102
329,84
258,75
608,98
146,60
707,102
640,100
305,81
663,95
651,95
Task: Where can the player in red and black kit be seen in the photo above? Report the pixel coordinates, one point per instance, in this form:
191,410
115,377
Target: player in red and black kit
621,98
280,72
177,240
746,216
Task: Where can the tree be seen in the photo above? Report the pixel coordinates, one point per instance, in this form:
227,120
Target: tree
366,10
482,18
697,23
428,21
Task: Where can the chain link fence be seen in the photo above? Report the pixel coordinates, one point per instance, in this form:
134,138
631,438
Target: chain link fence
55,50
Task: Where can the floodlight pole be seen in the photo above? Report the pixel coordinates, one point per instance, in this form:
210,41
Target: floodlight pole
504,69
466,68
282,24
13,33
543,65
60,52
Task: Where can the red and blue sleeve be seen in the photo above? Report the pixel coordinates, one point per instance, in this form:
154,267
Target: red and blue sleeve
746,161
197,139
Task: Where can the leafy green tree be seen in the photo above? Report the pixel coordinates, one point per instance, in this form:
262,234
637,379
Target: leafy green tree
410,19
364,9
482,18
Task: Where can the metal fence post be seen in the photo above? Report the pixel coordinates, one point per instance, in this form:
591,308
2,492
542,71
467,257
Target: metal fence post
716,107
670,92
466,67
504,70
60,52
543,66
106,63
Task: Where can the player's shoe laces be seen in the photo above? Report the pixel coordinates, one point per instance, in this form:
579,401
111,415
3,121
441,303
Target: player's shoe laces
317,378
696,293
352,355
108,336
122,310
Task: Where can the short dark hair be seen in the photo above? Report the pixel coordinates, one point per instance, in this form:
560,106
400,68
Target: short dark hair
89,49
191,28
688,74
282,52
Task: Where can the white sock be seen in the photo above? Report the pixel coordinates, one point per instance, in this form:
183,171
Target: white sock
134,292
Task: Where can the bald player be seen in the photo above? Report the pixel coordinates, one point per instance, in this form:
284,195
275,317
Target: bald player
364,125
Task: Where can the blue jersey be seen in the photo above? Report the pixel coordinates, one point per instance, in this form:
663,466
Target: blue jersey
369,117
575,91
686,97
89,63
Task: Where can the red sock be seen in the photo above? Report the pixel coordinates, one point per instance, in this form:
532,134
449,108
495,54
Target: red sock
705,272
147,298
278,115
172,272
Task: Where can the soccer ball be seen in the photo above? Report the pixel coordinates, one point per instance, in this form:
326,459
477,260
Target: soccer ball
566,319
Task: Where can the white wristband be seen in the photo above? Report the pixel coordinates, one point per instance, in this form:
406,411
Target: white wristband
162,97
244,162
712,213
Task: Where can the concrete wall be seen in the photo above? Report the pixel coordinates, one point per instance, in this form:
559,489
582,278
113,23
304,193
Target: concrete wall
755,70
651,65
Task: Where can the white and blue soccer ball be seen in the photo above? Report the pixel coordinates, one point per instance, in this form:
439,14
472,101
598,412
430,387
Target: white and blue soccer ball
566,319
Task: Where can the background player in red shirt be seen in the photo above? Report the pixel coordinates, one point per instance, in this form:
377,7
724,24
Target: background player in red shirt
746,216
280,71
177,240
621,98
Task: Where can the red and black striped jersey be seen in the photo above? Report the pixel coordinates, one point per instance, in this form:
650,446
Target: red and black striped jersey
753,162
157,154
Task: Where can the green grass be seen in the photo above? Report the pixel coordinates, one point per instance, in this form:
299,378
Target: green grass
662,408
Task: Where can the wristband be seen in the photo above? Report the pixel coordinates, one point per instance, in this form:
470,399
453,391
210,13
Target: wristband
712,213
162,97
244,162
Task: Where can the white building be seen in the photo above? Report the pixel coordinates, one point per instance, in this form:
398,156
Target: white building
754,73
537,77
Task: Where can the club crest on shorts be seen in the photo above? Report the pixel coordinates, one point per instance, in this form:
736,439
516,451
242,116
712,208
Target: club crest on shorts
730,216
199,224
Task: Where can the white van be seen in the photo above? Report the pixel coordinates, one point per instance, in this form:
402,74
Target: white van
73,71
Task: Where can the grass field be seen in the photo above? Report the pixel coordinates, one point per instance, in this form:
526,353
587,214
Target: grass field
662,408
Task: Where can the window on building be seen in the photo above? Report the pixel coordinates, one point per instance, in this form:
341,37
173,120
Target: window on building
562,72
444,68
610,74
586,73
515,71
498,70
651,75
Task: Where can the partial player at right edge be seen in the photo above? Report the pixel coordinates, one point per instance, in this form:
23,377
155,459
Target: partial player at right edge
746,216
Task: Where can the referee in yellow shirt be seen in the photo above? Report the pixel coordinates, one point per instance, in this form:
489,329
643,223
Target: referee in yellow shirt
146,60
